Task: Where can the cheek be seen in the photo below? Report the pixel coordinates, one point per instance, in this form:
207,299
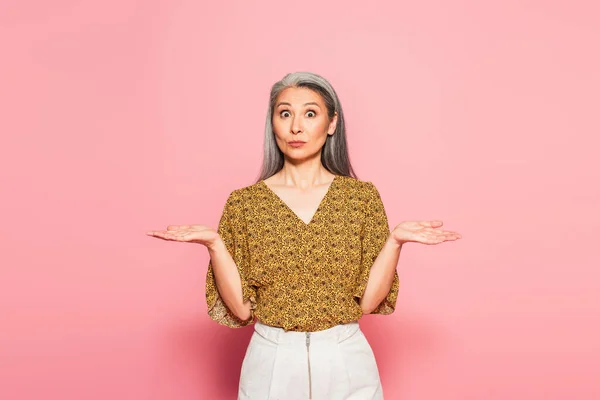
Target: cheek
320,127
276,128
279,125
323,124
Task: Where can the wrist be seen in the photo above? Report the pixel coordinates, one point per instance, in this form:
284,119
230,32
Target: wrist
216,245
393,242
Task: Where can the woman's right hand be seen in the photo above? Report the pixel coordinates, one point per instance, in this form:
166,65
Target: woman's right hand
200,234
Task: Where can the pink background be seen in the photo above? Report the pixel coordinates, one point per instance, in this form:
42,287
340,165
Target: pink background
122,116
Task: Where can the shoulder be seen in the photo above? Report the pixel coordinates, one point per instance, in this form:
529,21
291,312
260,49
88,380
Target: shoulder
243,196
363,189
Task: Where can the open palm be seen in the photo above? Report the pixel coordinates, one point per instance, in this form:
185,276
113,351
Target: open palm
200,234
426,232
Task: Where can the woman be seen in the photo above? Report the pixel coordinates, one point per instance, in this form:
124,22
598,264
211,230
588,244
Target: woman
303,253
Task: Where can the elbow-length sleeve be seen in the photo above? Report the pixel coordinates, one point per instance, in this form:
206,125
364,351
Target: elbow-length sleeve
233,230
375,233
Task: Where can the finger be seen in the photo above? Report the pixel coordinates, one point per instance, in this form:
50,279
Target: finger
431,224
164,235
448,233
452,234
438,237
177,227
199,227
451,237
156,233
438,231
160,236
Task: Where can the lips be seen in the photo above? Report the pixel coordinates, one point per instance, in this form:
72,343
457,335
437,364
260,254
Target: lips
296,143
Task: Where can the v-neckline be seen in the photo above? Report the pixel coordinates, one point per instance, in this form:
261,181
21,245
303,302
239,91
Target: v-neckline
289,209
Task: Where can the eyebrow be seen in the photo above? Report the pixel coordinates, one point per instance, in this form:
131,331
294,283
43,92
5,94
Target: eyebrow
288,104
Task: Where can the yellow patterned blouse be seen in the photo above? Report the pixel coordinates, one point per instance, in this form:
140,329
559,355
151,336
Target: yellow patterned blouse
298,276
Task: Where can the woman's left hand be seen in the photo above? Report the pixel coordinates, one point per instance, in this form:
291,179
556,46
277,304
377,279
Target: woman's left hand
426,232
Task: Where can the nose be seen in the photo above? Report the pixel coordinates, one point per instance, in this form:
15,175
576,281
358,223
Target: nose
296,125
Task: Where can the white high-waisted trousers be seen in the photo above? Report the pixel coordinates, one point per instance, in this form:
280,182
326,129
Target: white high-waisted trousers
333,364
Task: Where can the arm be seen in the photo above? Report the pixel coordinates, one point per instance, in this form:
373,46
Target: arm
381,276
230,296
228,280
382,257
377,285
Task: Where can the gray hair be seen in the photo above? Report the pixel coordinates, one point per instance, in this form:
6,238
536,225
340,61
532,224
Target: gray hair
334,155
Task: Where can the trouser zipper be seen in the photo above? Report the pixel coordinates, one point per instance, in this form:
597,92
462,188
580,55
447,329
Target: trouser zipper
308,359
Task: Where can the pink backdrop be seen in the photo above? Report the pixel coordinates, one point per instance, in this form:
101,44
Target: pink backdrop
122,116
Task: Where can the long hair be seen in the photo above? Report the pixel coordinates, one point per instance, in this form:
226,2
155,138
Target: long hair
334,155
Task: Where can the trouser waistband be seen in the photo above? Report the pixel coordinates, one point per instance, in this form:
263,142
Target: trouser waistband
278,335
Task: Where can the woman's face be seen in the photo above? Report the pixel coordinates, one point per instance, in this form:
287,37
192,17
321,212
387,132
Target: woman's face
300,116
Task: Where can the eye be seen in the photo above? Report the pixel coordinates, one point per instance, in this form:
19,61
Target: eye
283,113
311,114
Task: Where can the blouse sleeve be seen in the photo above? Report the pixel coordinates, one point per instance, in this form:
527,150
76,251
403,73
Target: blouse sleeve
375,233
232,229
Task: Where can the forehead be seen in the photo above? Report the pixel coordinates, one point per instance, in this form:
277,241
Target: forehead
299,96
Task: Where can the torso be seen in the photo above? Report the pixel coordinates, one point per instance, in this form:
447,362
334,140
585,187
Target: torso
305,255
